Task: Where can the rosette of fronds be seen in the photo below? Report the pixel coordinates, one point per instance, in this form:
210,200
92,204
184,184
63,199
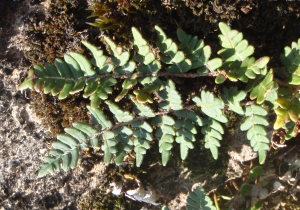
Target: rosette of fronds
158,112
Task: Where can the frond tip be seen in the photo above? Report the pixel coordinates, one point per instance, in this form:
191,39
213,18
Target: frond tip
254,125
65,152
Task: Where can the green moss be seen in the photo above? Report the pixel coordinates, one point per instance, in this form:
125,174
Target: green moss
56,32
56,115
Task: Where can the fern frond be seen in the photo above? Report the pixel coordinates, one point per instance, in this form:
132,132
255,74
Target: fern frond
185,133
141,139
166,133
254,125
199,54
172,98
124,143
212,132
72,75
291,60
172,56
76,72
235,53
197,200
144,55
211,106
235,47
65,152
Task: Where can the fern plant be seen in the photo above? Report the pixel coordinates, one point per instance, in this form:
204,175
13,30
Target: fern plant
159,113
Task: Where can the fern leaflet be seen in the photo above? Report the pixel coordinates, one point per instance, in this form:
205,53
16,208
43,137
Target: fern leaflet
213,131
199,54
211,106
254,125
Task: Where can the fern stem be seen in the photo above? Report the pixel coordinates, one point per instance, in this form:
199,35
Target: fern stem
140,75
140,118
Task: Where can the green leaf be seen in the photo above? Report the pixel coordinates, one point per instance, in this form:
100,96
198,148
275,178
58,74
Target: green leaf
235,54
108,146
78,135
171,96
142,109
76,73
127,85
153,67
255,172
120,58
166,133
141,140
67,140
65,72
224,28
256,133
164,207
198,200
291,60
288,110
220,79
165,145
91,87
213,134
120,115
98,58
123,145
46,169
28,82
128,68
263,89
138,39
65,152
213,64
245,188
58,83
211,106
182,36
89,131
102,91
99,118
84,64
181,67
232,97
142,97
185,136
